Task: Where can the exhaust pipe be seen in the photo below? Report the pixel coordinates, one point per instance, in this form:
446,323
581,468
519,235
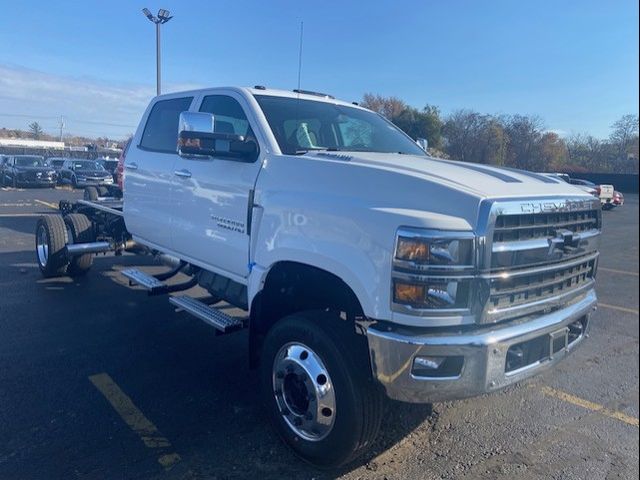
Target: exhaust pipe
91,247
168,260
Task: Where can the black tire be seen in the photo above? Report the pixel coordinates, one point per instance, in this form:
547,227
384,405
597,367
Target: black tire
74,182
81,231
51,231
91,194
358,399
103,191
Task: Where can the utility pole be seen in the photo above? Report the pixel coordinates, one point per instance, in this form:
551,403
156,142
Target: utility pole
61,127
162,18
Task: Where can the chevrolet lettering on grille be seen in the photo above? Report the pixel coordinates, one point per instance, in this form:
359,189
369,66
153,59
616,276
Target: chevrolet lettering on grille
563,206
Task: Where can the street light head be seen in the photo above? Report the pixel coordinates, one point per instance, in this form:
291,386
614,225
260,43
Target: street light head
164,15
148,14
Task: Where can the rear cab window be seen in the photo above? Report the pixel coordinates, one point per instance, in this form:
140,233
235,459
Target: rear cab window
161,130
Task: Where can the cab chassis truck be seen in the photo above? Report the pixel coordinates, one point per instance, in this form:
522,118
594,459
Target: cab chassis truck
366,267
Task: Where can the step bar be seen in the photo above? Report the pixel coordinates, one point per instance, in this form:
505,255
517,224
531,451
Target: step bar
145,280
211,315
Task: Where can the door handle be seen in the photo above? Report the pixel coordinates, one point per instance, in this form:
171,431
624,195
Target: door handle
132,166
182,173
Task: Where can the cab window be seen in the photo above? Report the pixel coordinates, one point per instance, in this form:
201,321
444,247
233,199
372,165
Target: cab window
161,131
227,114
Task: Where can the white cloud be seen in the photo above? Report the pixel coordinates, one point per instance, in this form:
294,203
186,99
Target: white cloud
90,106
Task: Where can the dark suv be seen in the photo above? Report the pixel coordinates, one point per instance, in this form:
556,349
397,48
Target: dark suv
23,170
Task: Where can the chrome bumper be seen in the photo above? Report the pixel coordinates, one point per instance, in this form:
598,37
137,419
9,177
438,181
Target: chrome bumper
393,349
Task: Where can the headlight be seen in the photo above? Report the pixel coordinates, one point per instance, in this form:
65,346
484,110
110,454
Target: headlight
421,249
433,271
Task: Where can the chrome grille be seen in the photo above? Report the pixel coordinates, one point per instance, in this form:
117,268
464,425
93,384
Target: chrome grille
542,255
540,283
513,228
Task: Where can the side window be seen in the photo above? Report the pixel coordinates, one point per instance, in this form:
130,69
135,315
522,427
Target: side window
161,131
227,114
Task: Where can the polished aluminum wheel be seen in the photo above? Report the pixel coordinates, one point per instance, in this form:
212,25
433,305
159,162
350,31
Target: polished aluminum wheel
304,392
42,246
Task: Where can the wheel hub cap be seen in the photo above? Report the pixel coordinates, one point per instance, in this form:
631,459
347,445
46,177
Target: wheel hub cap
42,247
304,392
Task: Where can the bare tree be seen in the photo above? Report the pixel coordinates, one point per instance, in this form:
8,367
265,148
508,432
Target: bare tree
389,107
624,131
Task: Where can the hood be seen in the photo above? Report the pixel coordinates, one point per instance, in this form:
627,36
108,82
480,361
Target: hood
476,179
35,169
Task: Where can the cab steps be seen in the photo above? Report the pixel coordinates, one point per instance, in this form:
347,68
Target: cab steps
154,284
211,315
138,277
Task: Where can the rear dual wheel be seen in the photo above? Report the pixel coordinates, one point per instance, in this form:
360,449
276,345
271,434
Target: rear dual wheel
53,233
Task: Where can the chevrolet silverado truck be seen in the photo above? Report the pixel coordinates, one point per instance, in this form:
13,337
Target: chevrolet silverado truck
366,268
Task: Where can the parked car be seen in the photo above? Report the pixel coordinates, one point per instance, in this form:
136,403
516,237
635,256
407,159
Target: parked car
27,170
618,199
363,266
603,192
55,162
110,165
82,173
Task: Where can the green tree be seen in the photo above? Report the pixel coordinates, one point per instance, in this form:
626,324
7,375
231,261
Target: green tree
36,130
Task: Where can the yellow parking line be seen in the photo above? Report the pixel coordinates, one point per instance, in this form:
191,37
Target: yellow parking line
594,407
620,309
613,270
46,204
133,417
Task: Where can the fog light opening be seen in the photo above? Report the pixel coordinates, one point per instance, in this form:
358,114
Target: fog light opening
437,367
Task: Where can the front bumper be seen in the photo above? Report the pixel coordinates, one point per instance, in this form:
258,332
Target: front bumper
393,349
87,182
37,182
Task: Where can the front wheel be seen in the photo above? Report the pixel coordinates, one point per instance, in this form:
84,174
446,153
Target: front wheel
318,390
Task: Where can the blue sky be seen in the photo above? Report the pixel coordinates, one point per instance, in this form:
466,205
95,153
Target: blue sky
574,63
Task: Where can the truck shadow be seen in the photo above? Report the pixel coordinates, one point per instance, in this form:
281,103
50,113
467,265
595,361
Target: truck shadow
194,385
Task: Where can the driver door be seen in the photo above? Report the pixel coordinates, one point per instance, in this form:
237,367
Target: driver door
211,196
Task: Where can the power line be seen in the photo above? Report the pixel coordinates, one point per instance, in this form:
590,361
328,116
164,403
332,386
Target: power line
67,119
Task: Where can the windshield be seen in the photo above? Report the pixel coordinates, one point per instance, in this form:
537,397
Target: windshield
303,125
30,161
88,166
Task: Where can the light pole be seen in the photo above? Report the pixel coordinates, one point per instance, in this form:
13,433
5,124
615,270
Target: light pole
163,17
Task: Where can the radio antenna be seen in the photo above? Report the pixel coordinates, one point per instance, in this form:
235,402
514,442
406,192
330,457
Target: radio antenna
300,53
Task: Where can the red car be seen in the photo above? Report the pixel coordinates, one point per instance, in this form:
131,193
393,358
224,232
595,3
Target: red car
618,199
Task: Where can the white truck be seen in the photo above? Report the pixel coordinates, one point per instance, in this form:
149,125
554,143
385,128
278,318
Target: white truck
366,267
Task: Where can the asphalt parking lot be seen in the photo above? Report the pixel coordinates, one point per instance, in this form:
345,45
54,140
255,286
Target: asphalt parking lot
98,380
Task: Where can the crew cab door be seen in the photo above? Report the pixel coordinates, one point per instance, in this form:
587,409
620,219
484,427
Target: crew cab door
211,196
148,172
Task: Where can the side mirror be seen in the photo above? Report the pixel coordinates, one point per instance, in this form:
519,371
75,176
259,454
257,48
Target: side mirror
422,143
196,137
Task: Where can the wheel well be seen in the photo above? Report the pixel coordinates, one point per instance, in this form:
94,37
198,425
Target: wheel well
292,287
